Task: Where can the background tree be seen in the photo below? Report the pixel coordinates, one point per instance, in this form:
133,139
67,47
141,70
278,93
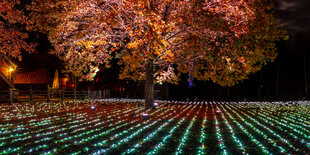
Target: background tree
13,32
157,40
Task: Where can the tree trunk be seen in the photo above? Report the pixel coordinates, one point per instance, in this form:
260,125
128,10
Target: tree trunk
278,76
149,86
306,81
260,83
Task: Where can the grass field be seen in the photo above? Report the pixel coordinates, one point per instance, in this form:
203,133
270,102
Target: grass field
174,127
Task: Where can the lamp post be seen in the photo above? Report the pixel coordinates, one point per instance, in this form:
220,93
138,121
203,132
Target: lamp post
12,95
10,73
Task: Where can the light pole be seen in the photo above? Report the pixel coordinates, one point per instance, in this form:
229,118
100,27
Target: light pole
10,73
12,95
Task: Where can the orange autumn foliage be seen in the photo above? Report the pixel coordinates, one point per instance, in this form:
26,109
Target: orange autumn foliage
224,41
13,29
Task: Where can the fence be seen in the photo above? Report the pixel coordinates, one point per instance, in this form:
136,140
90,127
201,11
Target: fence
4,95
49,95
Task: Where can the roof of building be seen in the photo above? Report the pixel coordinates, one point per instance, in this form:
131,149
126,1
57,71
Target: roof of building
6,80
5,63
39,76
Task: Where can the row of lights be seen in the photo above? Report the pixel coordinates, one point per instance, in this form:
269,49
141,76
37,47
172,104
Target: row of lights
45,122
166,114
218,131
161,144
87,127
275,134
187,132
258,131
270,119
202,139
244,130
237,141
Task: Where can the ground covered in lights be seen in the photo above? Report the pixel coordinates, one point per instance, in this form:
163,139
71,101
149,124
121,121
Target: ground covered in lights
116,126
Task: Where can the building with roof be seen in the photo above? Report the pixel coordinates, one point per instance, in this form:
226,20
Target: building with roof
37,79
10,77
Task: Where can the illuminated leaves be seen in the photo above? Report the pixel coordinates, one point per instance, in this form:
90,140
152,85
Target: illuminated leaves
167,76
237,38
224,40
13,34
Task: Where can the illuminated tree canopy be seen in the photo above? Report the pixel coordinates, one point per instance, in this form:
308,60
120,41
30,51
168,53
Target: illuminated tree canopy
13,34
157,40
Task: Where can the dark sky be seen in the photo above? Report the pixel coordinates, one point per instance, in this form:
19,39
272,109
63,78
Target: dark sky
294,14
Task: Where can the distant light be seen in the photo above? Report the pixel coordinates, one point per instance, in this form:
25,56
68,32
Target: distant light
11,69
93,108
145,116
155,104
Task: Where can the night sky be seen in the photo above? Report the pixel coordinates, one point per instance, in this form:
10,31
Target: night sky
294,14
284,78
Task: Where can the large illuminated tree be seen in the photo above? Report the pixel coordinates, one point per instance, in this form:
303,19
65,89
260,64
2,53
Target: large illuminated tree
13,33
156,40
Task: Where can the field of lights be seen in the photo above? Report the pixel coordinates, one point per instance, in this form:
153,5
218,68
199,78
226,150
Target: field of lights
116,126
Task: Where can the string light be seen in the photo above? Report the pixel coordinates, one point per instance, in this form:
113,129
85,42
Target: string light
115,128
202,147
282,150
